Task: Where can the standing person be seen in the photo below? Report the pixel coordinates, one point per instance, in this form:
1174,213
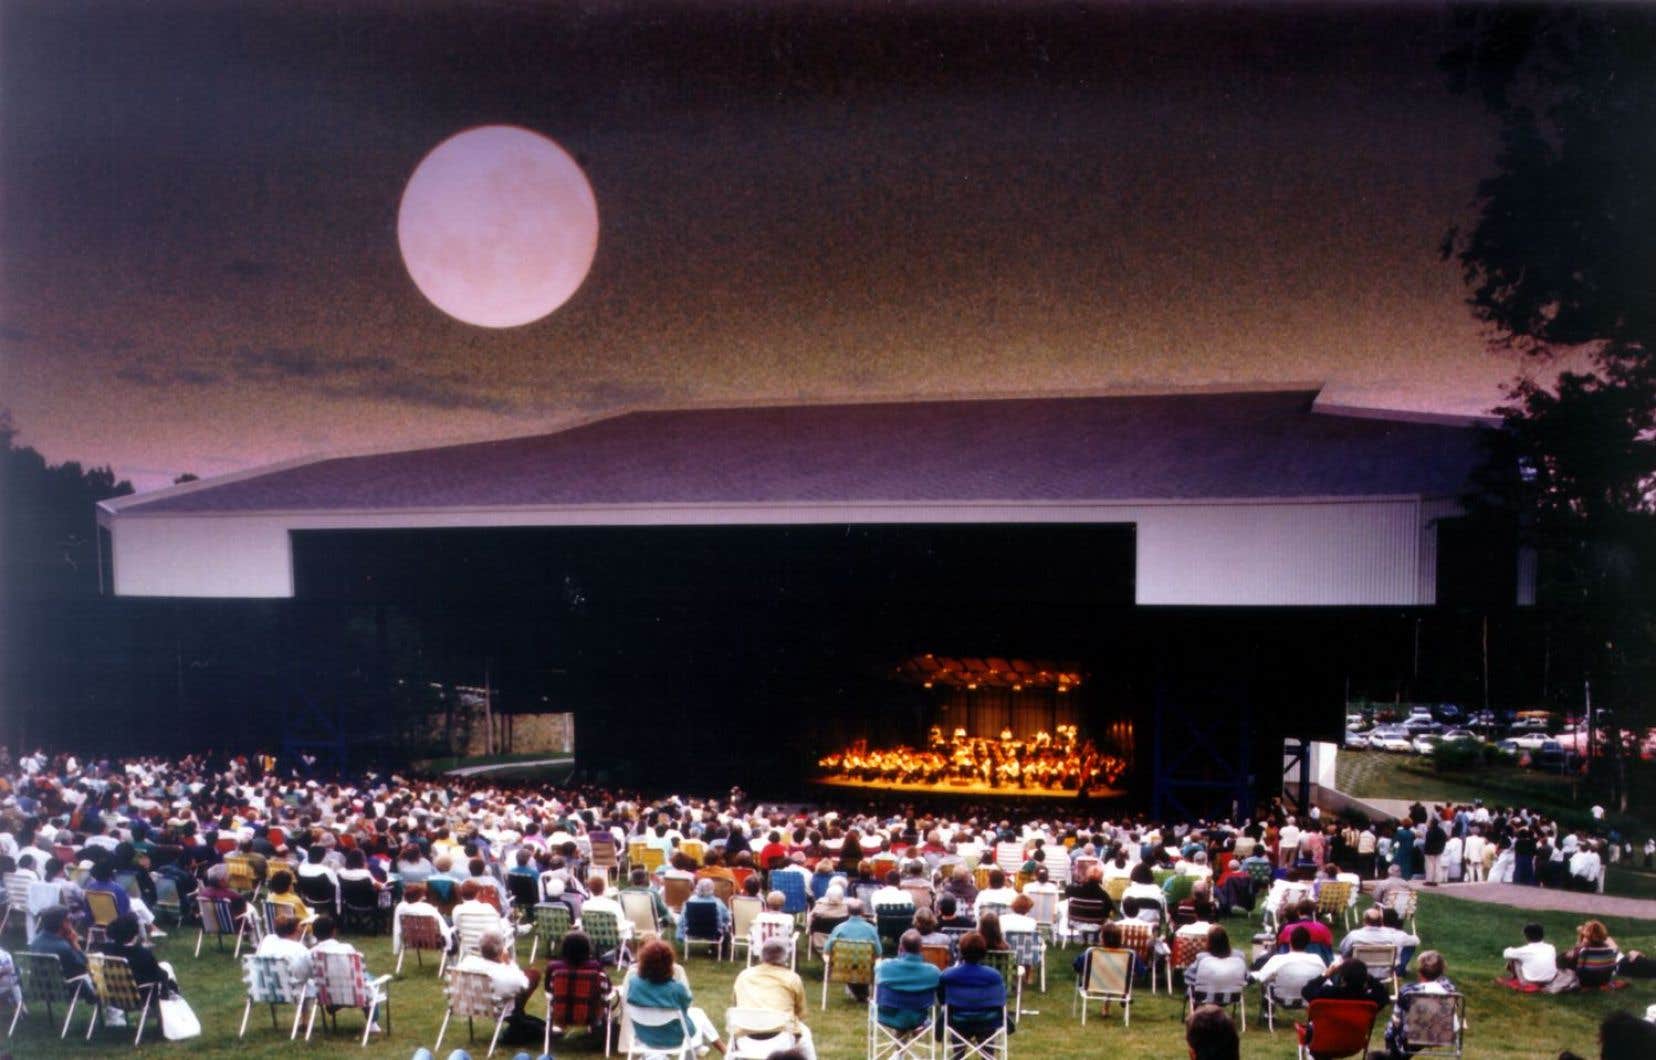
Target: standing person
1403,849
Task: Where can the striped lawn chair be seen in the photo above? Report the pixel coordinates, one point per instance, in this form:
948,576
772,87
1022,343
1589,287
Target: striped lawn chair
1030,950
471,995
219,920
243,878
341,983
579,997
1140,937
795,899
114,987
421,932
552,923
101,907
1334,900
604,930
763,931
270,982
41,977
1006,963
1106,977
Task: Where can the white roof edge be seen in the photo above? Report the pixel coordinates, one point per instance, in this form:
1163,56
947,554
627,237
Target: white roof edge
782,506
1440,419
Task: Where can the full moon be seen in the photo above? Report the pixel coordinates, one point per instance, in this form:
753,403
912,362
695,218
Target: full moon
498,226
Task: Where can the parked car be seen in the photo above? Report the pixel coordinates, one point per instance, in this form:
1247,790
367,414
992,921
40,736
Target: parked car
1390,738
1424,743
1459,734
1355,740
1529,741
1356,722
1448,713
1551,757
1508,747
1420,726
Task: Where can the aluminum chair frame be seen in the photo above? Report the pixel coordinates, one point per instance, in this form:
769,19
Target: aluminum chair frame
1087,989
471,994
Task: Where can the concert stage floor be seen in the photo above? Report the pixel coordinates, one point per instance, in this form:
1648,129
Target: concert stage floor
978,790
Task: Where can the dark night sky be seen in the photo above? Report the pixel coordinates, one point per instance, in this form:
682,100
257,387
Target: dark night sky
199,266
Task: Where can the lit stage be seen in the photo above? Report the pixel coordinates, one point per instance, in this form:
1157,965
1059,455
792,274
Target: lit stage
976,789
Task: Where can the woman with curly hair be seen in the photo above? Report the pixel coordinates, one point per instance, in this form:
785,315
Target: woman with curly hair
655,982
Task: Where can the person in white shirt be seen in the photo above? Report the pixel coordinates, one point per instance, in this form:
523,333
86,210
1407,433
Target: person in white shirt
891,892
414,904
1585,868
1018,918
510,981
997,893
601,902
772,922
1472,855
1284,975
284,943
1536,961
1288,841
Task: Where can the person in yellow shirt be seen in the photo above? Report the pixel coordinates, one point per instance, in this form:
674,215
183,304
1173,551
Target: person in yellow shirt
770,985
283,894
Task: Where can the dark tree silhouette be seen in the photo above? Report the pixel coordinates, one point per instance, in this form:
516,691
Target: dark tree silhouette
48,526
1560,260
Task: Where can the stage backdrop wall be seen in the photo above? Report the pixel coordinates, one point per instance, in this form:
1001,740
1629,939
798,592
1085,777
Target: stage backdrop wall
986,711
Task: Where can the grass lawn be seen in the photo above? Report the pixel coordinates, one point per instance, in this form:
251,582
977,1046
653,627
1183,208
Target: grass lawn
1502,1023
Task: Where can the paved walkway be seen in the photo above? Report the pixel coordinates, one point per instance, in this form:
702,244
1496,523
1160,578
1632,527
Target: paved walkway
1514,896
493,767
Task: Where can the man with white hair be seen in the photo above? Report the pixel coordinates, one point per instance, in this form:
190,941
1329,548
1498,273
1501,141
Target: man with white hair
771,986
494,959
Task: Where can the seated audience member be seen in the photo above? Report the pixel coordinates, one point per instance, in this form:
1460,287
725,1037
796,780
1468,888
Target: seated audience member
1305,914
414,903
126,941
494,959
1218,970
854,929
908,971
282,894
1432,981
1535,963
1286,974
1386,888
56,935
1347,979
772,986
702,900
575,955
638,882
951,914
650,983
1591,936
891,892
1374,932
977,992
925,922
997,893
1210,1035
283,942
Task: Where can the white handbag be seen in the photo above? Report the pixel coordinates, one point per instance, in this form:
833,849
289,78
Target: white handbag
178,1019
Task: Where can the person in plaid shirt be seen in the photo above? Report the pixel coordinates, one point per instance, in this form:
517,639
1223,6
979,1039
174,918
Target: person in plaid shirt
577,985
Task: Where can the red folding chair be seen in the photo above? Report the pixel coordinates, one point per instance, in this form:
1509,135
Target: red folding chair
1336,1028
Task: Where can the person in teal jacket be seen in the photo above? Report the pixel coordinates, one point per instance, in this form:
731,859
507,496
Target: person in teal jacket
651,984
907,973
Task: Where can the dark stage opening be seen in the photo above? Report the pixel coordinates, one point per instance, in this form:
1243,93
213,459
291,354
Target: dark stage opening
747,651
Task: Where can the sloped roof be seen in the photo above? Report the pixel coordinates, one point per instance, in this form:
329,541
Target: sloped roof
1141,447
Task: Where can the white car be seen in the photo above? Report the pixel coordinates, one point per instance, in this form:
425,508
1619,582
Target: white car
1530,741
1355,741
1390,738
1424,743
1460,734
